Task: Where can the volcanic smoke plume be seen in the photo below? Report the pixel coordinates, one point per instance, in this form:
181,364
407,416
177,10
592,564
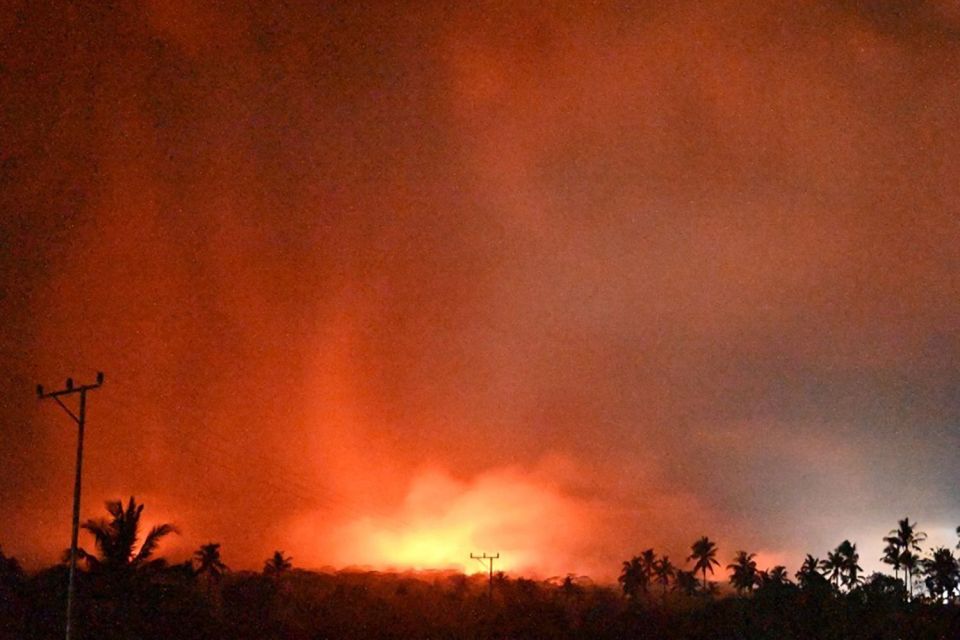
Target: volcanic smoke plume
385,287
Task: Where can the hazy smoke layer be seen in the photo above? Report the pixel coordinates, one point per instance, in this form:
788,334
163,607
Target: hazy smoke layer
380,286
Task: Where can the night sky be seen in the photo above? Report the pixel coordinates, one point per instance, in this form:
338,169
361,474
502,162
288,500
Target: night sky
388,284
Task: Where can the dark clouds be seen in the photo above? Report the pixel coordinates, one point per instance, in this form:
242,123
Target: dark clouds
705,255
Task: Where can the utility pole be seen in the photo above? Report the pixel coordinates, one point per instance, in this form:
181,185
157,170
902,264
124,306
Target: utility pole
487,561
80,420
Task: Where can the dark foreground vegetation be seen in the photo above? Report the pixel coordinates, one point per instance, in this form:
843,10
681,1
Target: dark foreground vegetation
123,592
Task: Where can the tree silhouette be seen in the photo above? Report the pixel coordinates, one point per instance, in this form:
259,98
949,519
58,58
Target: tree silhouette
687,582
209,562
891,555
116,539
633,576
908,540
744,572
942,573
648,559
664,571
849,564
704,551
277,564
776,576
911,563
9,566
809,576
833,567
569,587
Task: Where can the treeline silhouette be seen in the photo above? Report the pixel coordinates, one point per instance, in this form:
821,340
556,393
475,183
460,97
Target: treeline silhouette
125,592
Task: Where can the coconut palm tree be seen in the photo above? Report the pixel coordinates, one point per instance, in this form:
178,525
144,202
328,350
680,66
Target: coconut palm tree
209,562
891,555
809,573
777,576
704,552
849,564
908,540
744,572
942,573
664,571
633,577
116,539
648,559
277,564
910,562
833,567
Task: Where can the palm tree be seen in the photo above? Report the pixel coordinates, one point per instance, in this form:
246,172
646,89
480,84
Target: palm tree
116,539
277,564
775,576
686,582
809,574
704,551
908,540
910,562
833,567
648,560
664,570
744,568
943,573
632,576
209,562
891,555
849,564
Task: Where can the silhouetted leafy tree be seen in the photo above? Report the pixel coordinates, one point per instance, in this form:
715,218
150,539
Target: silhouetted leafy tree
116,539
908,539
743,575
704,552
891,555
277,564
633,577
649,561
849,564
942,573
208,561
775,576
809,576
687,582
833,567
664,571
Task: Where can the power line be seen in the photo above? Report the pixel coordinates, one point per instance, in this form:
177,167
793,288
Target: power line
81,421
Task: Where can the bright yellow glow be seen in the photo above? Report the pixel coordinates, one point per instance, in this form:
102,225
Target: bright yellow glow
426,548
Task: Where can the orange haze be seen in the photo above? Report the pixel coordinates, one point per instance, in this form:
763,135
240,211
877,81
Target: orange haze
380,285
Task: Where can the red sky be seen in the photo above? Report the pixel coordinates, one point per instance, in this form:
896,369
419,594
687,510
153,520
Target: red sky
382,286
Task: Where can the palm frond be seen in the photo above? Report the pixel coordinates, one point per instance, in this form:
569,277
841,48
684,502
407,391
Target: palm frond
150,542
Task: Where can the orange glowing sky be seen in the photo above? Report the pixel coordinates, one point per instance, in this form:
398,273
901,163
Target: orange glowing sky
381,286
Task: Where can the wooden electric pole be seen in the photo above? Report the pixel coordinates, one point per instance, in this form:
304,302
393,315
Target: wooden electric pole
80,418
487,561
